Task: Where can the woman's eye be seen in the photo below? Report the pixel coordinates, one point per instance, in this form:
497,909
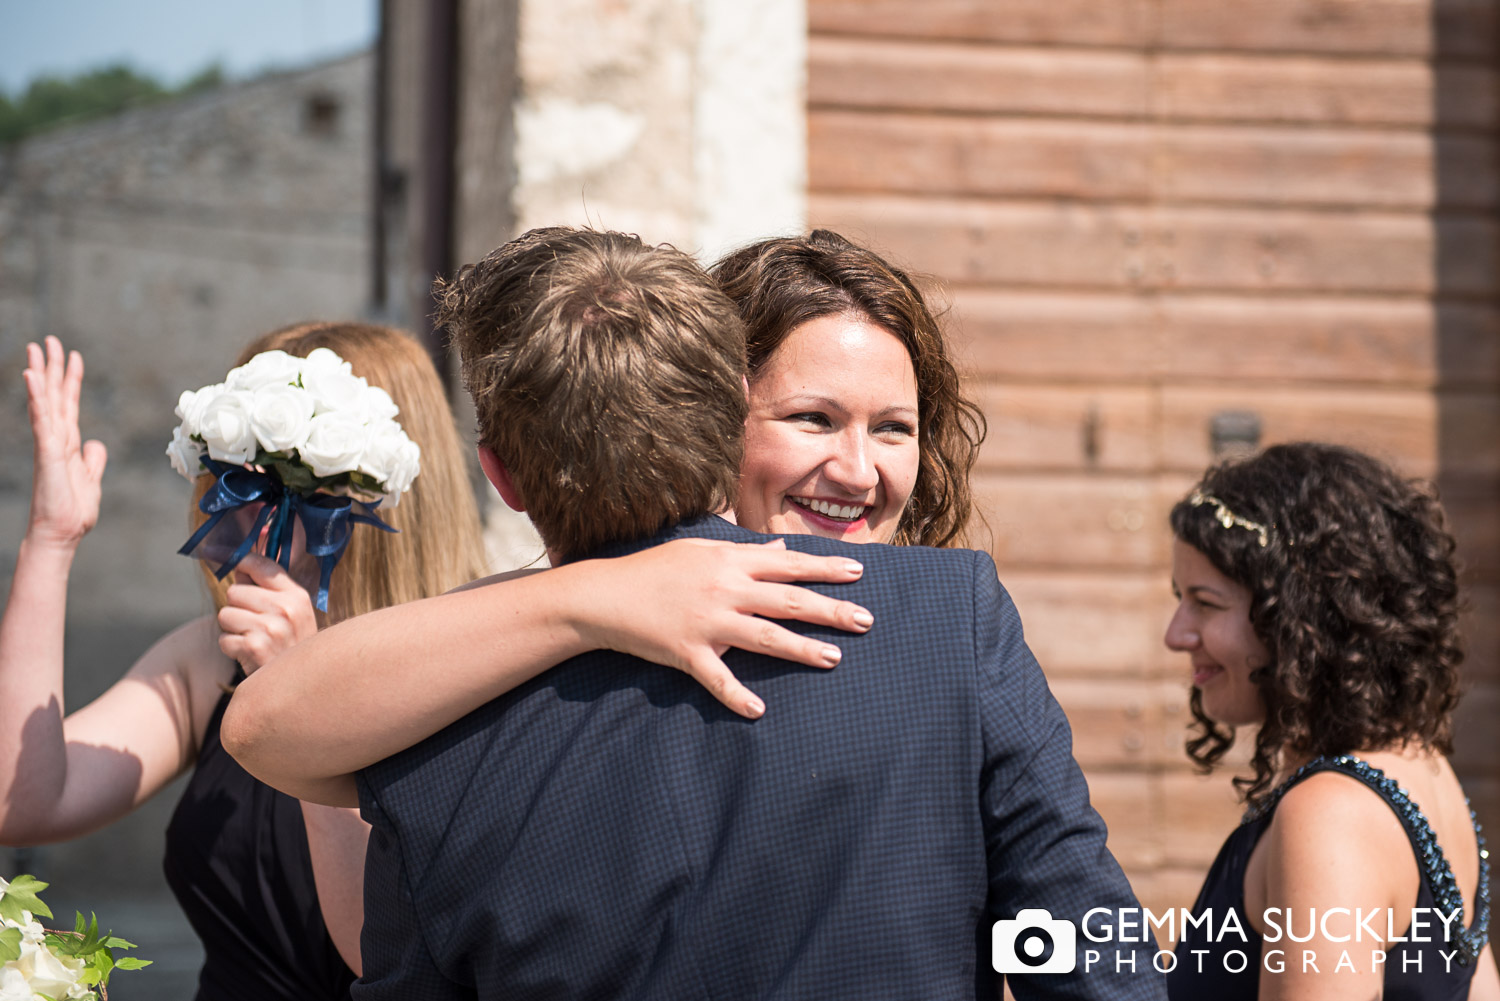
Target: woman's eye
896,428
820,420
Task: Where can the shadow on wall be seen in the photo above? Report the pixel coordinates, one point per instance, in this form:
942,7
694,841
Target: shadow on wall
1466,298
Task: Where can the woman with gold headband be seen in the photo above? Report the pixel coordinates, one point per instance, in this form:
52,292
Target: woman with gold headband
1318,605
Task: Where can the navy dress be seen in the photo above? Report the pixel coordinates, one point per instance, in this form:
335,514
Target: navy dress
1414,971
238,862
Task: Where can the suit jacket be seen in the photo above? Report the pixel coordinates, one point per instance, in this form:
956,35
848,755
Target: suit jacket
608,830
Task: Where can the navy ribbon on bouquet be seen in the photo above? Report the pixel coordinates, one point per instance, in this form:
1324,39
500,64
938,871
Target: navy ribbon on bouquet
327,520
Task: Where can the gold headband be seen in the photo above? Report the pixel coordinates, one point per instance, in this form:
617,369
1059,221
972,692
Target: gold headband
1228,518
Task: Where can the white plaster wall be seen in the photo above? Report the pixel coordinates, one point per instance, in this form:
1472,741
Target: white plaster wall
749,123
681,120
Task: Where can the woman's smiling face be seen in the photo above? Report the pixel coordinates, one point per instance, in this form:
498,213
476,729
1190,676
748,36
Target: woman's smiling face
831,442
1212,626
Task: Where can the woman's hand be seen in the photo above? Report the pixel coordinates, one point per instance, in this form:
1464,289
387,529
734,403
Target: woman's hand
684,603
66,473
263,619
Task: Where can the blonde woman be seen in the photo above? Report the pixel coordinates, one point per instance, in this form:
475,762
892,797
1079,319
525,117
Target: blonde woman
271,885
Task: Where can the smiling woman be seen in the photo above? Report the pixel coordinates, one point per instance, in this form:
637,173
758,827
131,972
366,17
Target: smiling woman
858,428
1318,602
831,442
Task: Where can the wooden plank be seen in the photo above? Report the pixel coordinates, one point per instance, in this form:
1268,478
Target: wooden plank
1108,337
1276,88
1481,629
1018,243
1074,22
856,151
1422,28
1122,246
1399,426
1292,166
925,154
1122,725
944,76
1474,519
1475,750
1125,801
1091,624
1065,522
1083,336
1068,428
1335,252
1399,342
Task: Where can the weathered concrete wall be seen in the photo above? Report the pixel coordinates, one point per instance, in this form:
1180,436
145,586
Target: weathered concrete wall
158,243
681,120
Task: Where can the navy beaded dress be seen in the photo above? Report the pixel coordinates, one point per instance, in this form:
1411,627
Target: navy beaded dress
237,861
1414,971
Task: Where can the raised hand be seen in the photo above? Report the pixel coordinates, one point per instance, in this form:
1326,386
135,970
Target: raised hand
686,602
262,619
66,472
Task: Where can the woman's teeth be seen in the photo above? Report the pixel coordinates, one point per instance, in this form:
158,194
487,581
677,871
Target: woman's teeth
840,512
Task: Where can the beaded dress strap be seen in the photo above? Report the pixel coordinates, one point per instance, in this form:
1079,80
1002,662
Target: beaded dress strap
1435,868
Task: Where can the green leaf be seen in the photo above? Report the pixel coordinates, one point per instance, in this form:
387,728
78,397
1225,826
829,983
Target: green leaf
21,895
118,943
10,944
131,963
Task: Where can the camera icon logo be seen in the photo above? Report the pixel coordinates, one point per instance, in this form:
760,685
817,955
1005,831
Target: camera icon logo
1034,942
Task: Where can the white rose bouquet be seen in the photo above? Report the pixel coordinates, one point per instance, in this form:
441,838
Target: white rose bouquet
41,965
305,438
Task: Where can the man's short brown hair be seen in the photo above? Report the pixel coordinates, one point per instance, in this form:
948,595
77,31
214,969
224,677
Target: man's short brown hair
607,376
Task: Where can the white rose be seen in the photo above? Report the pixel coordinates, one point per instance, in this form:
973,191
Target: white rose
324,360
184,453
334,444
376,404
334,391
269,368
408,465
190,406
382,449
13,985
279,416
225,427
47,973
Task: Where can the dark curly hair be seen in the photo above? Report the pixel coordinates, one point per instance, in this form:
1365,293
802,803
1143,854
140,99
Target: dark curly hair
777,285
1355,596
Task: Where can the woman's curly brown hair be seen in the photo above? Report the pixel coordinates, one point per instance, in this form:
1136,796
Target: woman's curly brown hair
1355,596
780,284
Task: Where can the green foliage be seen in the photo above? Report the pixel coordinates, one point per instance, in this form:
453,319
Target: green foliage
85,941
21,895
52,101
95,949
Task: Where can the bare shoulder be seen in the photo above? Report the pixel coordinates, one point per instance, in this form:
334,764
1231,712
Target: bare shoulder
189,670
498,578
1332,834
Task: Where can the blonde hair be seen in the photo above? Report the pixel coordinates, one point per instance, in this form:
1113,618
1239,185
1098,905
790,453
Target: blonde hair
439,544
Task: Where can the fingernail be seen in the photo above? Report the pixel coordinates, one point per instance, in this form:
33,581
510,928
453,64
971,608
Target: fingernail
757,708
854,567
832,655
863,619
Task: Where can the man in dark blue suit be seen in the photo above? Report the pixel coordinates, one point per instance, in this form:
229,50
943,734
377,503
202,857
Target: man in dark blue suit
609,830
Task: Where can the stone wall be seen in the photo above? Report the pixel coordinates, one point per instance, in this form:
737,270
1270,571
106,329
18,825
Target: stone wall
159,242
